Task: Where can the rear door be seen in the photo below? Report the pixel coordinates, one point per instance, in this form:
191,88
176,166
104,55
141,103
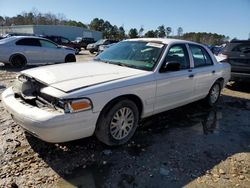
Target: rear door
204,71
31,49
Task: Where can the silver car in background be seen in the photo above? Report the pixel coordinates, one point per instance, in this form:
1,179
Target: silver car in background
19,51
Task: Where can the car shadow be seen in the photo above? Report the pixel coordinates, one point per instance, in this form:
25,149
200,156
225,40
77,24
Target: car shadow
239,86
184,142
9,68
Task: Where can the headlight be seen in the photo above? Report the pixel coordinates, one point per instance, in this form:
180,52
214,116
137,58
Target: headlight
77,105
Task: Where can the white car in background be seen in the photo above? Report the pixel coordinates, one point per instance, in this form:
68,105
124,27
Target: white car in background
107,97
19,51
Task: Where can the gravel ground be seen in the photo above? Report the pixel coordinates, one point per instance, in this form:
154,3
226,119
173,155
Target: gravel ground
191,146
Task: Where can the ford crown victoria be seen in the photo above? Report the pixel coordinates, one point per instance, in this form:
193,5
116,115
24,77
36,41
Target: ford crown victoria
108,96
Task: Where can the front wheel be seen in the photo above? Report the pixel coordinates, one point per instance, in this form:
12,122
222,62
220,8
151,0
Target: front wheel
70,58
214,94
117,124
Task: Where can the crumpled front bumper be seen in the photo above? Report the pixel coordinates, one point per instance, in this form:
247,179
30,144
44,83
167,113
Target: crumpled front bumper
51,126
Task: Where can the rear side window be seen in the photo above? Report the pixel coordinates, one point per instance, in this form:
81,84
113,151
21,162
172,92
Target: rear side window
200,56
244,48
28,42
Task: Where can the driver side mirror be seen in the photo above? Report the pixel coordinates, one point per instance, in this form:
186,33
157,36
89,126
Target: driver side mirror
171,66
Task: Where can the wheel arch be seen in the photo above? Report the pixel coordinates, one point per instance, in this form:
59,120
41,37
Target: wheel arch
138,102
69,55
221,81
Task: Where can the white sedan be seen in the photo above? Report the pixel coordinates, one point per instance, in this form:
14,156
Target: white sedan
107,97
27,50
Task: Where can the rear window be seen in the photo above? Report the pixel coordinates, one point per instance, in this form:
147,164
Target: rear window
28,42
242,48
200,56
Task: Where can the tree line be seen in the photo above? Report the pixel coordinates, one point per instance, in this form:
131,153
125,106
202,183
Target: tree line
110,31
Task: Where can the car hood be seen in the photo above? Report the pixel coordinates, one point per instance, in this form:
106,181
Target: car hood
72,76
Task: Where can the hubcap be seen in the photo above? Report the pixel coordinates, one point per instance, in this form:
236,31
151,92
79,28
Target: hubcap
122,123
215,92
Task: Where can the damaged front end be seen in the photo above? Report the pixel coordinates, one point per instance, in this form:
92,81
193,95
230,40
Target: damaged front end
28,90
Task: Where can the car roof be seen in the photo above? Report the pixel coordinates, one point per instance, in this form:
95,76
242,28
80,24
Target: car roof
240,41
23,37
162,40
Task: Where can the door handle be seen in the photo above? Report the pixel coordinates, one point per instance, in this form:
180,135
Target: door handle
191,76
213,71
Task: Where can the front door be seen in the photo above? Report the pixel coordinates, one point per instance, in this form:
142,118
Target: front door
174,88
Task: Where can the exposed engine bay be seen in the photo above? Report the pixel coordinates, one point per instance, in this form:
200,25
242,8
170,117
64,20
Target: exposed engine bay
29,90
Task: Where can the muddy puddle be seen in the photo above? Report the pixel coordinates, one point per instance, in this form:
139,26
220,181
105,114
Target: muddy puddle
126,162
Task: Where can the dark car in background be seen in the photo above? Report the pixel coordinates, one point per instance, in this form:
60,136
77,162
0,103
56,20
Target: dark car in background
84,41
95,46
65,42
215,49
237,53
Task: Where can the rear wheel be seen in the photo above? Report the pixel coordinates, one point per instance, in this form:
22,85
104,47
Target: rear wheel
214,94
70,58
117,124
18,61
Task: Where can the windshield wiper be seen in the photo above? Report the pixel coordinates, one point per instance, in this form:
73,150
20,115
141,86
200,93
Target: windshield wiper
123,64
117,63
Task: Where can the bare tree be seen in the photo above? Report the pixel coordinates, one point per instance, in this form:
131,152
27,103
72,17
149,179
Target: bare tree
179,31
141,30
168,31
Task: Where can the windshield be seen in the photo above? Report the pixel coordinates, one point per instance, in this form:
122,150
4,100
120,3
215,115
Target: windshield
135,54
78,38
99,42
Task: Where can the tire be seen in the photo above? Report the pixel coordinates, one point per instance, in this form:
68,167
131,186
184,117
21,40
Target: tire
18,61
91,51
114,128
70,58
214,94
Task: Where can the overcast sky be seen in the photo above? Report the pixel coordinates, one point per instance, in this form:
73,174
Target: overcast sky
228,17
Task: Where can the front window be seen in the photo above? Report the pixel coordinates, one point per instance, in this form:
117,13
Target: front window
135,54
64,40
178,53
47,44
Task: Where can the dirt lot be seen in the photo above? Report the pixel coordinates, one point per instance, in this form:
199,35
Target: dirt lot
190,146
